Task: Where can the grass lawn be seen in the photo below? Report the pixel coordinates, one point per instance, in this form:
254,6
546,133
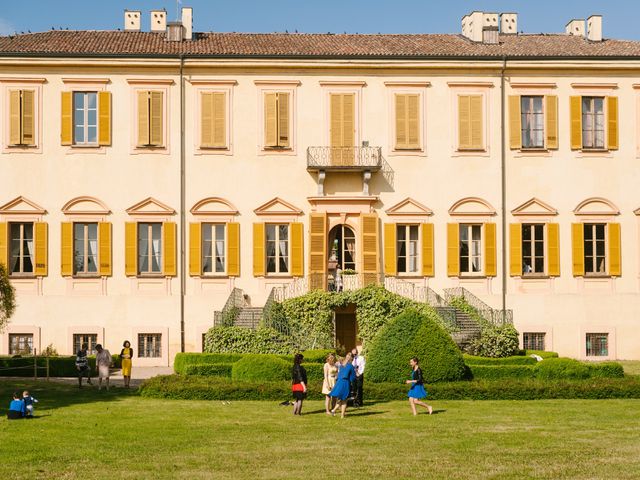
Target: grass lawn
90,434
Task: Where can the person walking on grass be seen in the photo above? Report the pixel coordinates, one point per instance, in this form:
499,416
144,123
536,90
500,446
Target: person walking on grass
341,390
330,370
82,365
103,364
126,354
417,391
299,383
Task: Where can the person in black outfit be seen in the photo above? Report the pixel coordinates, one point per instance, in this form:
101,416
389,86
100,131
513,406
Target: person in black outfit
358,384
299,383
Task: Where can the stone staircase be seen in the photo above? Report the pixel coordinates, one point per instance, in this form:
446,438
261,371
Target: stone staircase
466,328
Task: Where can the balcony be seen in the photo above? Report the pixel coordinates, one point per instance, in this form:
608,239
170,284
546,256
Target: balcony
350,159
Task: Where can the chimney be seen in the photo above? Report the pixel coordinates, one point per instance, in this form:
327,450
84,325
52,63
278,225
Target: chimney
480,27
131,20
508,23
594,28
174,31
158,20
575,27
187,23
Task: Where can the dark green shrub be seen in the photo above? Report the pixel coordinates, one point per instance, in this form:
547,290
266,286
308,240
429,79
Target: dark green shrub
261,368
316,356
245,340
210,370
495,341
315,371
58,366
561,368
183,360
606,370
493,372
540,353
516,360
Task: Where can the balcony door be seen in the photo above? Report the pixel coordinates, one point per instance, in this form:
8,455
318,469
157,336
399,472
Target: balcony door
342,129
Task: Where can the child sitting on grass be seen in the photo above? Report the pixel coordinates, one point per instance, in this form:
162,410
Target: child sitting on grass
29,402
16,408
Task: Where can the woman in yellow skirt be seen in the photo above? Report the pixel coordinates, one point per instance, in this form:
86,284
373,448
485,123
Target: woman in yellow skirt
126,355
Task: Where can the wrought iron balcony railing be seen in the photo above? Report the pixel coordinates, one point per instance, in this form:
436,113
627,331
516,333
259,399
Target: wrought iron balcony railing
344,158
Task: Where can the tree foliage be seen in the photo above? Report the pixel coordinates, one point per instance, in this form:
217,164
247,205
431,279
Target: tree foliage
7,297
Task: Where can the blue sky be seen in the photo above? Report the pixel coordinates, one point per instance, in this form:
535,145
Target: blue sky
337,16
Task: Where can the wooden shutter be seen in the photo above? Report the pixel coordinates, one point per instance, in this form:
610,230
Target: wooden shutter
206,120
490,254
464,122
66,118
258,250
297,249
195,249
515,249
156,114
104,119
551,121
40,242
612,123
369,242
219,137
143,118
169,250
476,122
4,250
407,121
427,250
317,249
283,119
401,123
576,123
577,244
28,117
130,249
270,120
336,120
390,254
66,249
553,249
515,123
342,127
104,251
15,117
453,249
233,249
615,260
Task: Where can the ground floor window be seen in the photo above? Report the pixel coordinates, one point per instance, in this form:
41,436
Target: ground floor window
533,248
470,249
213,248
149,345
277,248
149,248
20,344
597,344
407,248
594,248
533,340
91,339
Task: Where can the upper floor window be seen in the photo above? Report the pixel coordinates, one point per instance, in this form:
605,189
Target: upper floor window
277,128
595,248
532,121
470,123
149,248
593,123
22,118
213,124
277,248
85,248
533,249
407,241
150,118
213,248
407,121
85,118
470,252
21,251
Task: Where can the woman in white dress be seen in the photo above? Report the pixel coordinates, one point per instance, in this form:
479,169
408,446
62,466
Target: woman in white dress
330,374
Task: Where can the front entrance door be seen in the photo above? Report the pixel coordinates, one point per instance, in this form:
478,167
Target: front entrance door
346,331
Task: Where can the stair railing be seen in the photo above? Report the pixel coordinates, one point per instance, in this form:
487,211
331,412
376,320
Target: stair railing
491,315
232,307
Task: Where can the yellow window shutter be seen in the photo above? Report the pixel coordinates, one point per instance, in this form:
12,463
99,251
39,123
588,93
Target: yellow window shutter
427,250
612,123
317,249
169,250
270,120
515,123
206,119
297,249
476,122
104,251
4,251
464,122
369,242
551,121
41,241
283,119
104,120
553,249
453,249
15,117
349,114
233,249
155,134
577,244
401,121
615,260
66,118
259,259
195,249
219,120
390,259
143,118
515,249
490,260
28,117
131,249
66,249
413,121
576,122
336,120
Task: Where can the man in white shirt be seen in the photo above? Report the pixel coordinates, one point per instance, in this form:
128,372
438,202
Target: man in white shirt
358,365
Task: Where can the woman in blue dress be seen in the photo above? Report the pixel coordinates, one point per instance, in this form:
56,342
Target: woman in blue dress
342,388
417,391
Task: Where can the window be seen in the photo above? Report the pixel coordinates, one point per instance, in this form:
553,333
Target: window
149,345
21,255
149,248
150,119
407,121
85,118
470,248
470,124
597,344
407,248
213,123
593,122
533,340
85,248
91,339
20,344
594,249
533,248
277,248
22,117
532,121
213,248
276,118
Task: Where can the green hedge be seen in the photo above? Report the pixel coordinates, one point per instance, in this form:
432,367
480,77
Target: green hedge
606,370
261,368
183,360
550,369
316,356
246,340
516,360
210,388
540,353
210,370
557,368
492,372
63,366
314,370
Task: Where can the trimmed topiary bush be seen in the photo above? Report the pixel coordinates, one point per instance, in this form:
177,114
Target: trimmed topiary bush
261,368
245,340
210,370
496,341
494,372
183,360
606,370
517,360
561,368
540,353
316,356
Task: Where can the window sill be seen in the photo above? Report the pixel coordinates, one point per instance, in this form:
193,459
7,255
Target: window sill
214,149
467,276
23,276
533,276
151,275
277,149
471,150
596,276
213,276
88,145
87,277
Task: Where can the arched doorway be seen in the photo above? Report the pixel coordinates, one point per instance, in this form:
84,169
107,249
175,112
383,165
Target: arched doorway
342,247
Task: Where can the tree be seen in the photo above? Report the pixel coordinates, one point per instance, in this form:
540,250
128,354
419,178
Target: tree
7,297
